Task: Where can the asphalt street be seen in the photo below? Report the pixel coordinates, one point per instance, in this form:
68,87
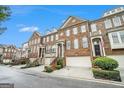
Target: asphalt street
26,79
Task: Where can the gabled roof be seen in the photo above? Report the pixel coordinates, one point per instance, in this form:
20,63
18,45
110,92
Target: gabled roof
37,33
70,21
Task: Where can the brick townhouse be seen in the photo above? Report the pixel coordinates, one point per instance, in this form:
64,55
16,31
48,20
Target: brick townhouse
79,41
34,46
9,53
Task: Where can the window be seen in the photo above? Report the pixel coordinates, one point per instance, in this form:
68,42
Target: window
108,23
68,44
38,40
85,42
83,28
117,21
122,36
93,27
35,41
115,37
34,50
61,33
57,37
52,38
75,30
44,40
76,43
68,33
9,50
31,42
123,17
6,50
48,39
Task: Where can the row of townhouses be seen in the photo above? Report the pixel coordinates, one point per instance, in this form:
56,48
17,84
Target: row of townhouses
8,53
79,41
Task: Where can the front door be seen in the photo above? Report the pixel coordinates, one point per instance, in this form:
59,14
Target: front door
97,50
97,47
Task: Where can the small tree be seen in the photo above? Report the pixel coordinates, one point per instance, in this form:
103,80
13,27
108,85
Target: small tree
5,13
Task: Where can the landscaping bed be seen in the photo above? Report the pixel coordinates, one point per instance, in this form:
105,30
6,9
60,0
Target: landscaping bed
104,68
31,64
105,74
59,65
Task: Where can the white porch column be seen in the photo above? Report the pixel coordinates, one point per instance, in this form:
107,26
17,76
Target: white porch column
62,49
56,50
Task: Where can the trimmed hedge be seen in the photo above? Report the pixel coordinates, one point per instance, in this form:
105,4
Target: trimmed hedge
48,69
105,63
58,67
106,74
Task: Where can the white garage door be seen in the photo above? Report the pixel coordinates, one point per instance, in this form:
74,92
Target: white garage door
120,60
78,61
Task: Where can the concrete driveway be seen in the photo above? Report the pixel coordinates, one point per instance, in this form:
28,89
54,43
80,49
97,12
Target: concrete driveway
122,73
75,72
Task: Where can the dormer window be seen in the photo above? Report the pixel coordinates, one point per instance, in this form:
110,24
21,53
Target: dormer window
113,11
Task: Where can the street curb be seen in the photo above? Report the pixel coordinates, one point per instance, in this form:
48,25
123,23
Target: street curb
71,77
86,79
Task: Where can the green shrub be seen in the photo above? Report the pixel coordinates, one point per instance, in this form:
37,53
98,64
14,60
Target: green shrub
20,61
58,67
8,63
48,69
31,64
60,62
106,74
105,63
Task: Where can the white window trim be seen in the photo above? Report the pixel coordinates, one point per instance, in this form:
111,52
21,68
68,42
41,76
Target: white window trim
67,32
75,30
123,17
44,40
108,23
93,27
83,28
86,42
57,36
116,24
76,44
68,45
118,45
52,37
48,39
